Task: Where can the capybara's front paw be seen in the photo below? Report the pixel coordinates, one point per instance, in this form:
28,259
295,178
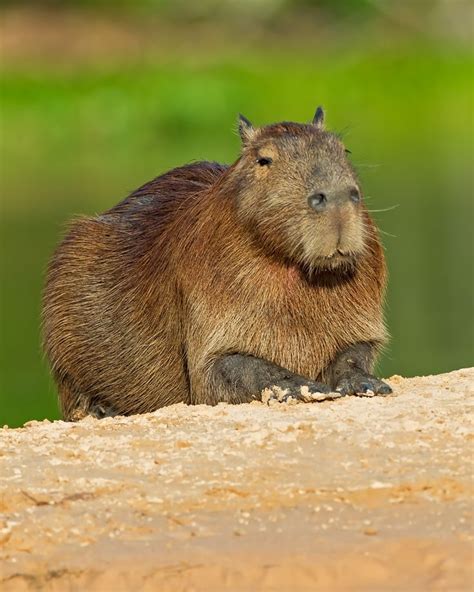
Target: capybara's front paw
292,391
363,385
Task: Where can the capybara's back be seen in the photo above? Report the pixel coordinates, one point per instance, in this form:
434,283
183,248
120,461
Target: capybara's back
215,283
112,323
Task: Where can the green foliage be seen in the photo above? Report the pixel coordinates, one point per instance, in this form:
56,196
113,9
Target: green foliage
339,6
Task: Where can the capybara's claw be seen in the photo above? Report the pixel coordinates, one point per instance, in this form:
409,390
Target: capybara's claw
363,385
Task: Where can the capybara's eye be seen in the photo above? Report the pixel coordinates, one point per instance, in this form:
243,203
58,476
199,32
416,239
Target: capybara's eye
264,161
347,151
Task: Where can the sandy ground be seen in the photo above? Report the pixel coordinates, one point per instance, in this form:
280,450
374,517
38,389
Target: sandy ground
353,494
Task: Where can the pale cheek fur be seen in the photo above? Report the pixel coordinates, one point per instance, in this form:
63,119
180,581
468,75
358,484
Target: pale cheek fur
352,236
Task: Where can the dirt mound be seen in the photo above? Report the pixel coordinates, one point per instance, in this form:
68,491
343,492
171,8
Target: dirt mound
352,494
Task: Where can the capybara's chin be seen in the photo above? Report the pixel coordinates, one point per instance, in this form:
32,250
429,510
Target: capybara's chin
336,262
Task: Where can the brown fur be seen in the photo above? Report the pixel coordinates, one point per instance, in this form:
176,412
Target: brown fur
207,260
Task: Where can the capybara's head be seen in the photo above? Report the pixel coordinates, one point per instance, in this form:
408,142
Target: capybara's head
298,195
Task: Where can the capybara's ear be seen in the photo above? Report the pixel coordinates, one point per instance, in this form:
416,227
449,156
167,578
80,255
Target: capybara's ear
318,119
246,129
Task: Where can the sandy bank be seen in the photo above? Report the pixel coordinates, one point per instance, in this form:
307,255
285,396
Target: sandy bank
352,494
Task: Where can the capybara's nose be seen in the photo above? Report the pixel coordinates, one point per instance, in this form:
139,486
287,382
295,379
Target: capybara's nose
320,200
317,201
354,195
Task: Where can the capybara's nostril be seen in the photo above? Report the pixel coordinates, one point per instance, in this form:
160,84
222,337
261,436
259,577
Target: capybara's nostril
317,201
354,195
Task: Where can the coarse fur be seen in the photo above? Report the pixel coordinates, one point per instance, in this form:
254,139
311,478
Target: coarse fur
143,302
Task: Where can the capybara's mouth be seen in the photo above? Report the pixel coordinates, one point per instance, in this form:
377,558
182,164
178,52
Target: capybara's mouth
336,260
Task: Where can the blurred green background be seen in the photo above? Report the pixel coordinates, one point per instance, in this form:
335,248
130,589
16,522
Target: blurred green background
99,97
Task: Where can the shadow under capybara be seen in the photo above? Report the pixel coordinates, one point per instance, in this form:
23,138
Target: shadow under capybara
219,283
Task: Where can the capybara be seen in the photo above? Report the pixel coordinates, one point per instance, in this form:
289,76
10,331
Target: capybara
219,283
